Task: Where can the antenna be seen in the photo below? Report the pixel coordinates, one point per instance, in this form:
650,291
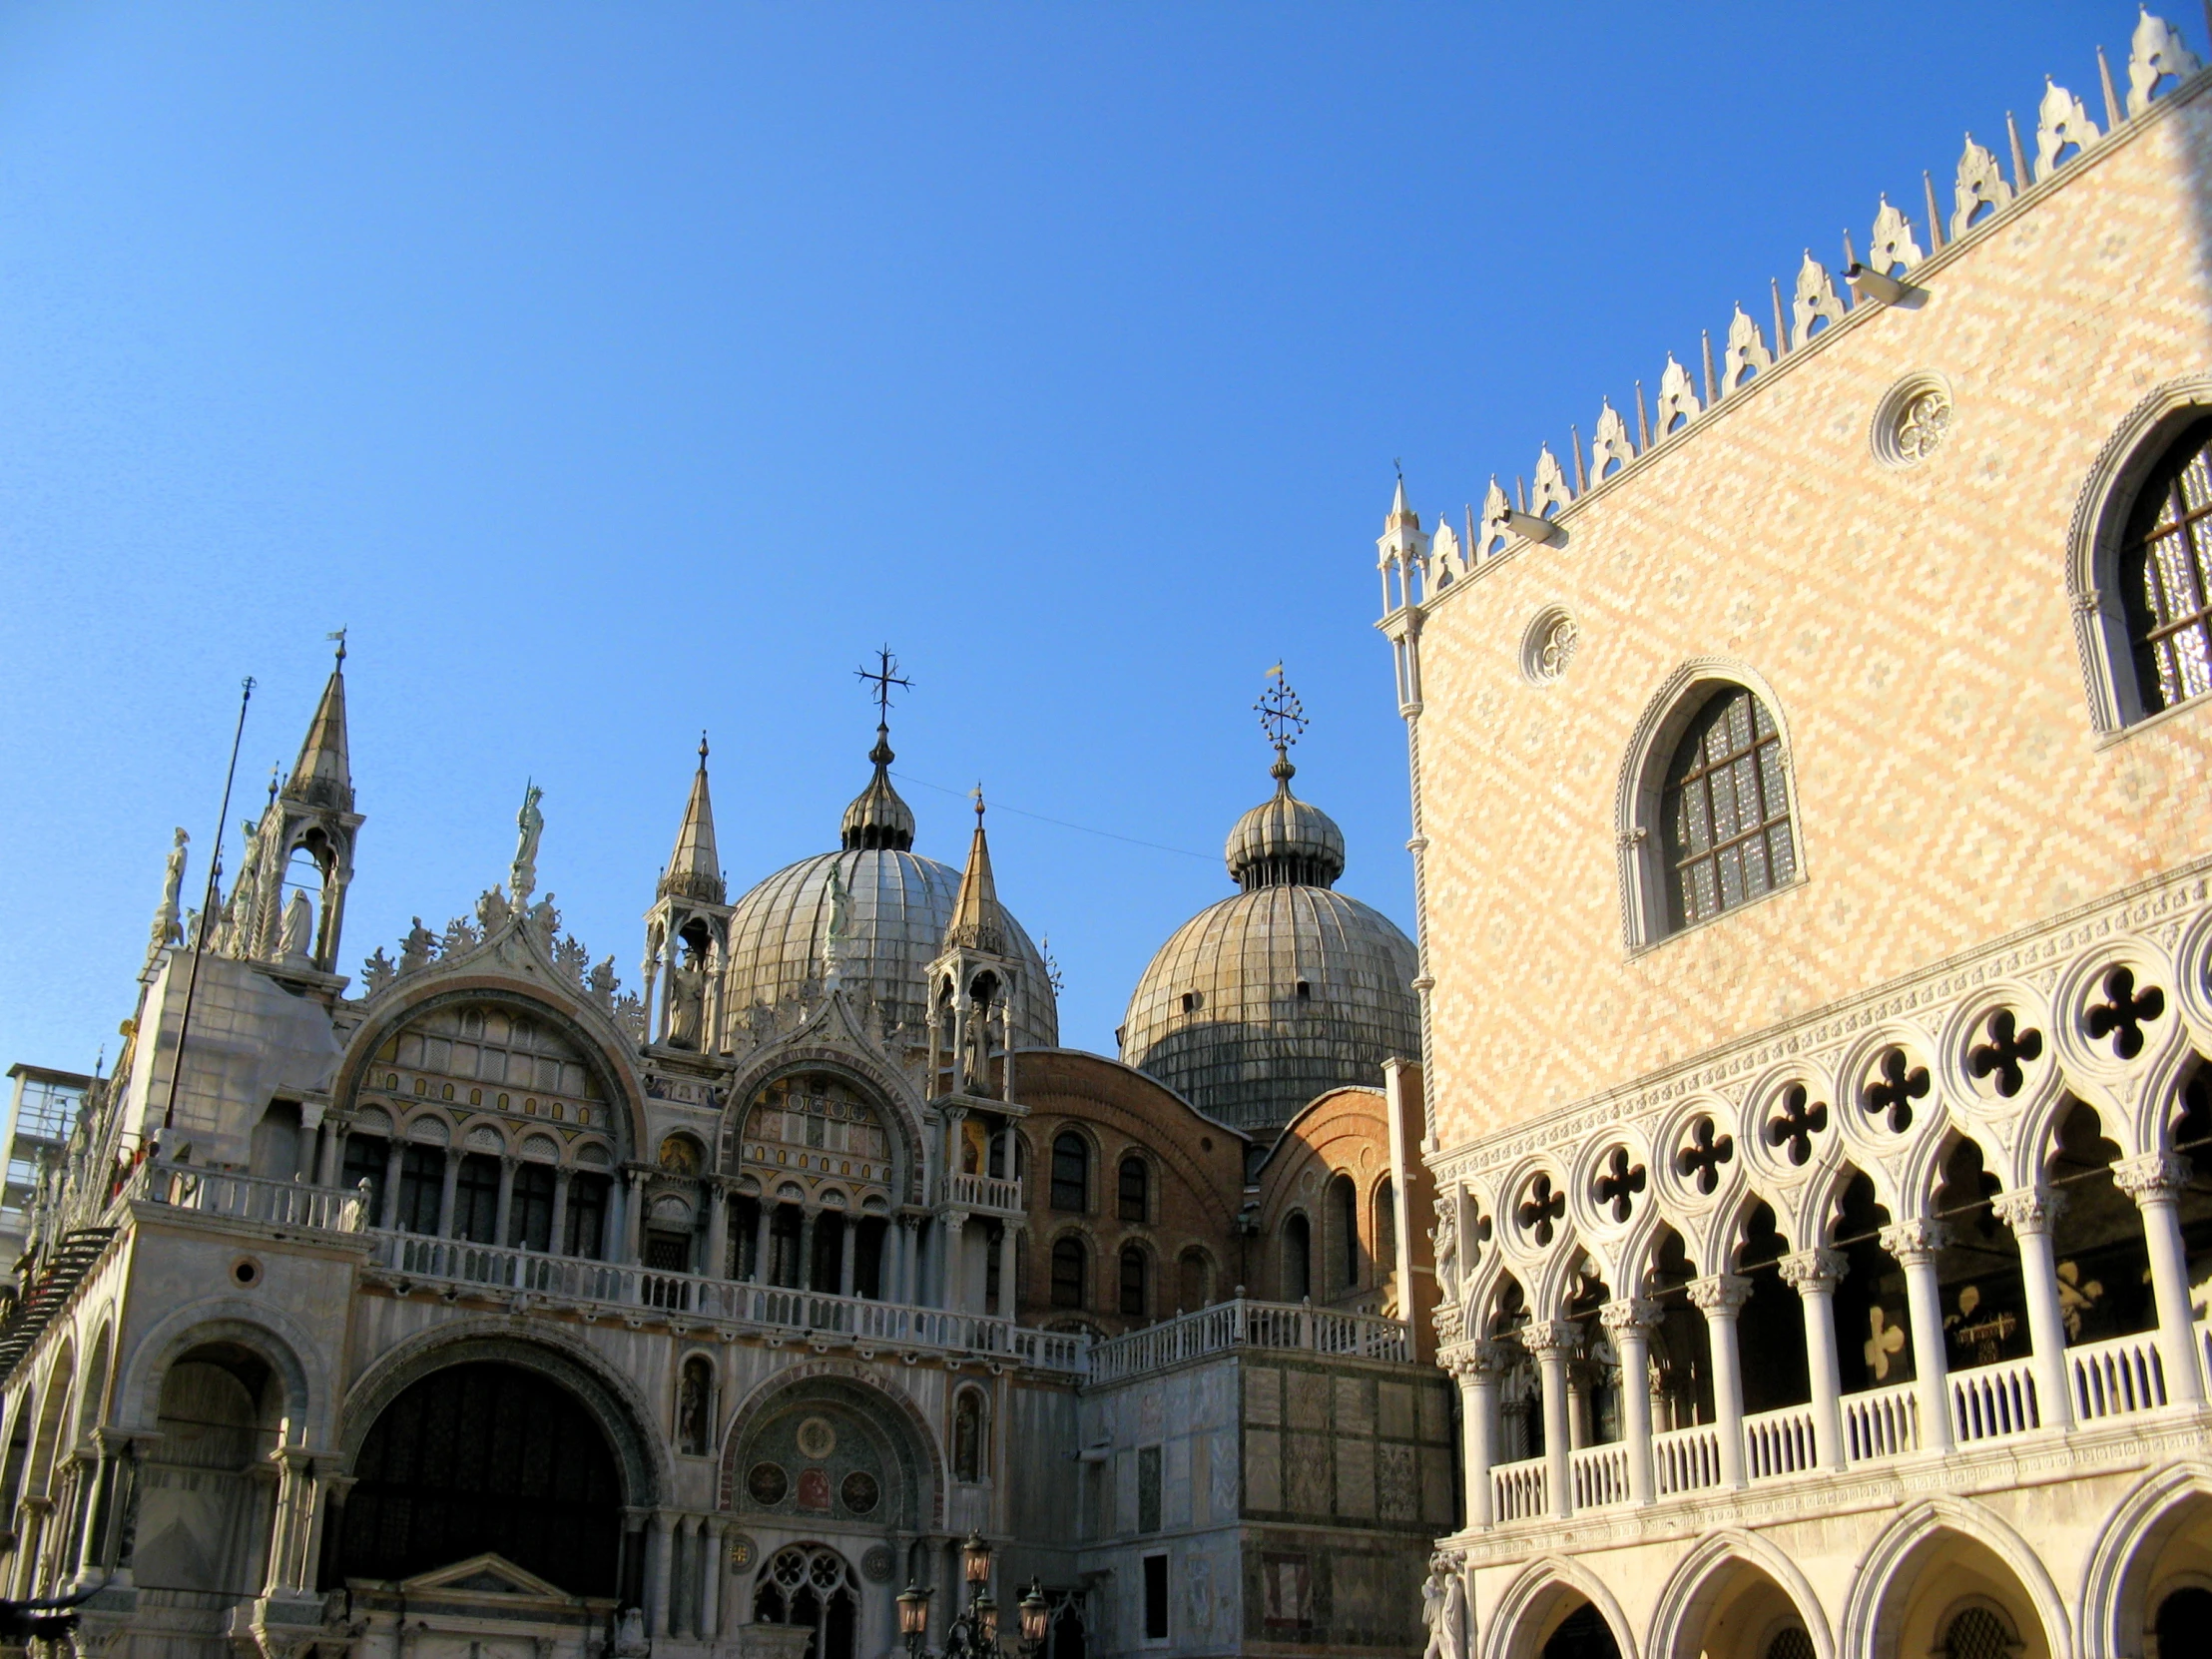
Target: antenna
206,904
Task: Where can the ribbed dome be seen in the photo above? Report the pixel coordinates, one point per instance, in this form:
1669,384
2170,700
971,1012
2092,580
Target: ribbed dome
898,908
1261,1002
1286,841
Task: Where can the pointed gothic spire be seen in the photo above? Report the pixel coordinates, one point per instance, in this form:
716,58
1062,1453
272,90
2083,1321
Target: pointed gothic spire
323,776
976,924
1400,513
695,868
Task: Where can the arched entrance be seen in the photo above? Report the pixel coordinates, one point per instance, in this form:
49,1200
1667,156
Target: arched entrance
201,1527
485,1457
1582,1635
811,1587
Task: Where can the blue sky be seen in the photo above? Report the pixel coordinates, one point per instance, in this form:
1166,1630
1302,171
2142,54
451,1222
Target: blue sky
615,371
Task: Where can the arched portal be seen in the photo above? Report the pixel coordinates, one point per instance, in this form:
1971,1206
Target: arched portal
810,1586
487,1457
1949,1578
221,1408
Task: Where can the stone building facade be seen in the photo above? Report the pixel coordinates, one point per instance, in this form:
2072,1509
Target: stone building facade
1823,1207
487,1309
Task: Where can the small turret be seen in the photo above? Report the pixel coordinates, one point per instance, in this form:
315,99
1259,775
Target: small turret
323,776
687,930
974,982
693,869
975,918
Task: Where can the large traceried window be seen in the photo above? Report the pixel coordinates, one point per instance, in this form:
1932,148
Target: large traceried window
1725,813
2165,572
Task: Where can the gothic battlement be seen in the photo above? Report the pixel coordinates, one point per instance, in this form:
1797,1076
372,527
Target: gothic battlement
2162,71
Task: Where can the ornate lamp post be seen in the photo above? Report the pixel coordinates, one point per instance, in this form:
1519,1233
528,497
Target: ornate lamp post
914,1618
1036,1619
974,1634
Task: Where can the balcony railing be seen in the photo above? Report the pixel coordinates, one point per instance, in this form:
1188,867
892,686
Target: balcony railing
2112,1378
1779,1442
1686,1459
983,1191
1994,1401
1518,1490
626,1286
1600,1476
250,1197
1243,1323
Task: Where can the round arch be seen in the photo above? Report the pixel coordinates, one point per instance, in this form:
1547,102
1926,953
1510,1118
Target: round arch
1693,1591
1525,1610
1642,778
263,1328
896,1417
1891,1563
894,1097
614,1402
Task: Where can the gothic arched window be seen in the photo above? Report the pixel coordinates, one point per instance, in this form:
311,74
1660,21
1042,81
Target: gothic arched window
1132,1282
1071,1172
1134,1185
2165,574
1724,817
1068,1264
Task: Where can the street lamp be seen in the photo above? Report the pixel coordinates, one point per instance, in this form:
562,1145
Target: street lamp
913,1617
974,1634
975,1559
1036,1618
986,1615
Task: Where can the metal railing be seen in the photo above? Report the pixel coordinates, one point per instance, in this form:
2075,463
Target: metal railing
250,1197
1247,1324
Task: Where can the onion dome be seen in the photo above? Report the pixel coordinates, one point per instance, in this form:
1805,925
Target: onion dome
1282,992
883,920
877,818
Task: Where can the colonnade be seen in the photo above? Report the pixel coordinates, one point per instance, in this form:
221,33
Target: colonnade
2154,1181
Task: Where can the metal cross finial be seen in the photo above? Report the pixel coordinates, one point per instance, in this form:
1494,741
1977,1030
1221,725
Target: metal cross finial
883,676
1281,716
703,749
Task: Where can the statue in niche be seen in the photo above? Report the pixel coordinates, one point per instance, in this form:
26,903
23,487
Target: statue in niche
234,932
297,938
165,931
691,1410
522,876
687,996
417,949
1444,1236
630,1639
841,923
975,1046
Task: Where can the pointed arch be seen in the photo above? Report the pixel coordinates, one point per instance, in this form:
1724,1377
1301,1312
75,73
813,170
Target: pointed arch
1678,1618
1641,784
1884,1570
2117,1579
1528,1602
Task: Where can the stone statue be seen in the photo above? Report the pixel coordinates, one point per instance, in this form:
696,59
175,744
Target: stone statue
297,938
522,876
1445,1237
603,984
1456,1616
235,931
378,971
417,949
630,1642
166,930
975,1046
687,990
492,911
1444,1610
840,921
691,1410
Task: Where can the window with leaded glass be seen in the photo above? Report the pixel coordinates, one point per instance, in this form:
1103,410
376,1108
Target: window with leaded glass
2166,572
1725,814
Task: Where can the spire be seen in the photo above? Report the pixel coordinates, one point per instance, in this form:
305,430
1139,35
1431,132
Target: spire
1401,514
693,868
322,777
977,920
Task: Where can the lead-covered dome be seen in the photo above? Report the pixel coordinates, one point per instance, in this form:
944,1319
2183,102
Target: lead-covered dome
897,908
1289,988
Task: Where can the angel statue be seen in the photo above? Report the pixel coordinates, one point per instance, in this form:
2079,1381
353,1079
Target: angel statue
522,876
166,930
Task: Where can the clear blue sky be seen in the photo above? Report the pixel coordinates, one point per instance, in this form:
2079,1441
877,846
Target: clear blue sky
617,371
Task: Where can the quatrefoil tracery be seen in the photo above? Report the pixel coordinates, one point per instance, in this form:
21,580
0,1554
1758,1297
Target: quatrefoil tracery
1896,1083
1618,1182
1700,1162
1796,1122
2125,1012
1540,1209
2004,1058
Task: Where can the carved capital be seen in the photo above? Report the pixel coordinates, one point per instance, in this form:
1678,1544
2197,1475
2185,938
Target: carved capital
1719,1293
1552,1338
1915,1243
1495,1358
2153,1178
1632,1317
1814,1272
2029,1209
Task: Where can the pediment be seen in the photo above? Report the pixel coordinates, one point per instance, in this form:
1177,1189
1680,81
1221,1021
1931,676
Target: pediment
486,1574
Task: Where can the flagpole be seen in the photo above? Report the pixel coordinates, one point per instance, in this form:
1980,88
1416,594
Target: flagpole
206,904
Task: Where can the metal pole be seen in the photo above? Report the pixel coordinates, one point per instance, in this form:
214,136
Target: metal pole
206,904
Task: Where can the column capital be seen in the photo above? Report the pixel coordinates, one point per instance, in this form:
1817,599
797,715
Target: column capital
1551,1339
1814,1272
2153,1178
1719,1293
1915,1243
1470,1361
2029,1209
1631,1315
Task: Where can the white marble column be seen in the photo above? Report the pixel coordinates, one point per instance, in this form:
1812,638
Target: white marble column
1477,1368
445,1193
952,1250
1632,1320
659,1543
503,1217
1915,1245
718,1229
1813,1275
713,1562
1554,1343
557,1242
1006,1301
633,1217
848,1240
1721,1298
388,1217
2032,1212
760,1255
2155,1181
